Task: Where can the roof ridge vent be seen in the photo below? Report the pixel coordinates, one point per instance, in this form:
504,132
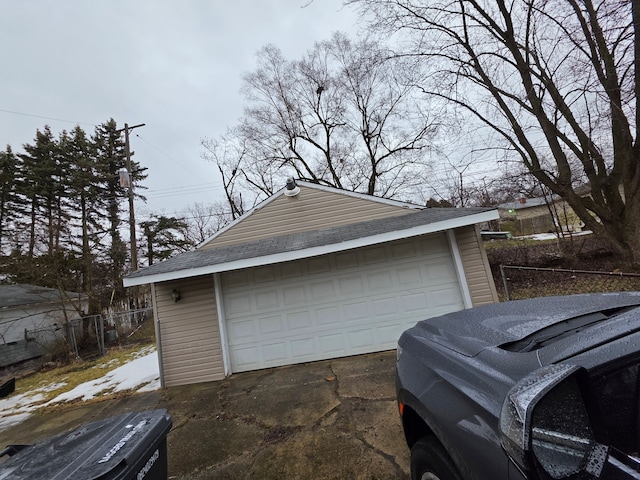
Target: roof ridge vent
292,188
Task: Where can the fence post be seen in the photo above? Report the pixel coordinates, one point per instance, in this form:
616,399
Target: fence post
102,350
72,338
504,282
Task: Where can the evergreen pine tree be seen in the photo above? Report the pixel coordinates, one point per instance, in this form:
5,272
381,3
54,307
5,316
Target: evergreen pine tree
163,237
11,203
86,201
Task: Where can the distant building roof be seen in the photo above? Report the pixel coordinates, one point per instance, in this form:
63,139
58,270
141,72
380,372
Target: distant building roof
15,295
526,203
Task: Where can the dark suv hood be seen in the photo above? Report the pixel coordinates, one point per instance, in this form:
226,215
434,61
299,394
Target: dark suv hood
470,331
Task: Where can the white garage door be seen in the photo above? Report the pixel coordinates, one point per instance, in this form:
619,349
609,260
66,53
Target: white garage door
353,302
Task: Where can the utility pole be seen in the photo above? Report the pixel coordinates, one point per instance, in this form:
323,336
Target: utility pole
132,216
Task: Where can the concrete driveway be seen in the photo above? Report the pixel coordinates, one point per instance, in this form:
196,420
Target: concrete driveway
334,419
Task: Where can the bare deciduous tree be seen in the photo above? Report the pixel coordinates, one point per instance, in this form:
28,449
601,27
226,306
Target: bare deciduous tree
340,116
202,221
556,79
229,154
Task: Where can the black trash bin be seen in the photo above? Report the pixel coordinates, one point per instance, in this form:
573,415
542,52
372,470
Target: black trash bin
124,447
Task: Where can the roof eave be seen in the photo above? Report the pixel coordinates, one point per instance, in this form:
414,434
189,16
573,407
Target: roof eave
315,251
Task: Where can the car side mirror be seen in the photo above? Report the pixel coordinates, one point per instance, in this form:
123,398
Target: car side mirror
544,425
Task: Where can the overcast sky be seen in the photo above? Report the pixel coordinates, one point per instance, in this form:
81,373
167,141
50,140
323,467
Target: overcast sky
175,66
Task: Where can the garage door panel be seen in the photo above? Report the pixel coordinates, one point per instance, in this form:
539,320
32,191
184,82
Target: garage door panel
443,297
332,343
346,260
274,352
384,306
328,317
291,270
380,281
267,299
239,304
414,302
362,339
433,246
409,276
295,295
271,325
351,286
402,250
303,348
264,274
319,265
389,334
245,356
322,290
242,331
440,272
356,311
302,320
336,305
237,278
374,255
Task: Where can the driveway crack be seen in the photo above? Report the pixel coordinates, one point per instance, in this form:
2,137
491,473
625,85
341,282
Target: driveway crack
389,458
334,378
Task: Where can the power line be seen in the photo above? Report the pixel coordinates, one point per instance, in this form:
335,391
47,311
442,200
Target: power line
174,193
182,187
46,118
165,154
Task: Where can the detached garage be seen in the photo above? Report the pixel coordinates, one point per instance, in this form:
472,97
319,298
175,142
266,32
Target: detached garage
310,274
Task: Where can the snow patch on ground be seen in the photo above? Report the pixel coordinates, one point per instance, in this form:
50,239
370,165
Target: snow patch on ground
139,375
553,236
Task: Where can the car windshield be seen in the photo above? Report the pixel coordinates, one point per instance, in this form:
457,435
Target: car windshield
557,331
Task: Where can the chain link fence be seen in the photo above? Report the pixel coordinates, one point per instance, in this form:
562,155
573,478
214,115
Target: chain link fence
79,335
88,337
519,282
122,326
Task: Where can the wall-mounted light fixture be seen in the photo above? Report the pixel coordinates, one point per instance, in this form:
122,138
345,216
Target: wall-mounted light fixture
175,294
292,189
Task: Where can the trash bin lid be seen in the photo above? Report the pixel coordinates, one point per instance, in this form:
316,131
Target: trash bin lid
106,449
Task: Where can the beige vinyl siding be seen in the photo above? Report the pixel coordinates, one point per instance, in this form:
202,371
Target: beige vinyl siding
311,209
532,212
476,266
539,220
189,333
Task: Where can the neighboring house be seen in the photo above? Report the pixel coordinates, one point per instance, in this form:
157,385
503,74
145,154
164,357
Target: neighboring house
313,273
527,216
30,316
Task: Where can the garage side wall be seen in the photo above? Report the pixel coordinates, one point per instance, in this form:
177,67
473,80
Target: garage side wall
188,332
476,266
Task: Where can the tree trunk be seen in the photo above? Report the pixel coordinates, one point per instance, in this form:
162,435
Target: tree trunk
631,229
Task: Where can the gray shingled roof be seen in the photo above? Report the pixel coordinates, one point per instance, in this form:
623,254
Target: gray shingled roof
22,295
304,240
529,202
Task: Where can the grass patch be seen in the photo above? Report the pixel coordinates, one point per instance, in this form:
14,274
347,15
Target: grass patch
51,383
516,243
571,285
145,333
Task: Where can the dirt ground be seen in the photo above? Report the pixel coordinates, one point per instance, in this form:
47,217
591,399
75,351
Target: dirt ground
578,265
334,419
